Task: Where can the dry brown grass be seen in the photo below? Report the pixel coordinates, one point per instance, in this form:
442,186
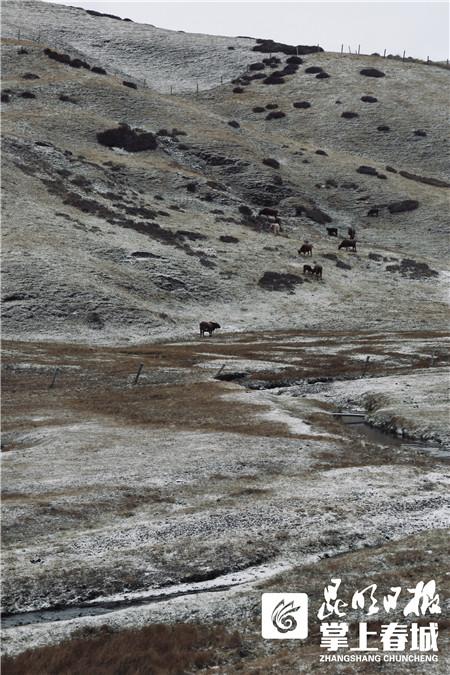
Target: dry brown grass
157,650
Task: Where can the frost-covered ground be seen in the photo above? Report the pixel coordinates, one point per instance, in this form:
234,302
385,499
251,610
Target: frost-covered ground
187,486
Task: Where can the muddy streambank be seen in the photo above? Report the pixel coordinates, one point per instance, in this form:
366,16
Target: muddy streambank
177,497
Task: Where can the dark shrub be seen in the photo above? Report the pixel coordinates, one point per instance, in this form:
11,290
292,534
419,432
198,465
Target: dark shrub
30,76
368,170
322,152
257,66
98,70
404,205
420,132
349,115
277,281
5,98
275,115
269,161
273,79
234,124
313,69
79,63
273,61
294,59
238,90
423,179
270,47
267,211
230,48
131,85
22,50
391,169
301,104
371,72
128,139
289,69
382,176
245,210
258,109
383,127
258,76
27,94
228,239
163,132
369,99
67,99
322,76
271,106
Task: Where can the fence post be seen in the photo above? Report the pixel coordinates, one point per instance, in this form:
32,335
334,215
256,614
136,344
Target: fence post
55,374
349,50
197,88
171,89
359,48
384,54
141,365
366,365
342,48
403,57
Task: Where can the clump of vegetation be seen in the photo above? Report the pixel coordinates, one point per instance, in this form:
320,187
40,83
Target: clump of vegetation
257,66
30,76
279,281
238,90
131,85
368,170
234,124
245,210
228,239
325,154
275,115
404,205
5,98
98,70
273,163
294,59
132,140
27,94
274,78
420,132
311,70
322,76
383,127
372,72
349,115
369,99
258,109
269,47
301,104
271,106
67,99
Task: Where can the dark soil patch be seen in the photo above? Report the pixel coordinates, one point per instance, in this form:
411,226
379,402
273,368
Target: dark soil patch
278,281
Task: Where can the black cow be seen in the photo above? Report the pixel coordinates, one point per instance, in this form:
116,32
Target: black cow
348,243
208,327
332,231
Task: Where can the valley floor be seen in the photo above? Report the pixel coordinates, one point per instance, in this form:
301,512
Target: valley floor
181,497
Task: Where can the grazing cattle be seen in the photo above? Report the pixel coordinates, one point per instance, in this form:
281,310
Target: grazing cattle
307,269
348,243
373,212
208,327
317,270
351,233
275,228
305,249
332,231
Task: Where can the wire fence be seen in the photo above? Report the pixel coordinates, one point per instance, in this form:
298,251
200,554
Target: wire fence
40,39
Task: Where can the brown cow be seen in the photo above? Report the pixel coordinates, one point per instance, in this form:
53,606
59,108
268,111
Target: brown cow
208,327
317,270
305,249
348,243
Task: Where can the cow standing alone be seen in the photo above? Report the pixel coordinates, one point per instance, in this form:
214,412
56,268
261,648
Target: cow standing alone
208,327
